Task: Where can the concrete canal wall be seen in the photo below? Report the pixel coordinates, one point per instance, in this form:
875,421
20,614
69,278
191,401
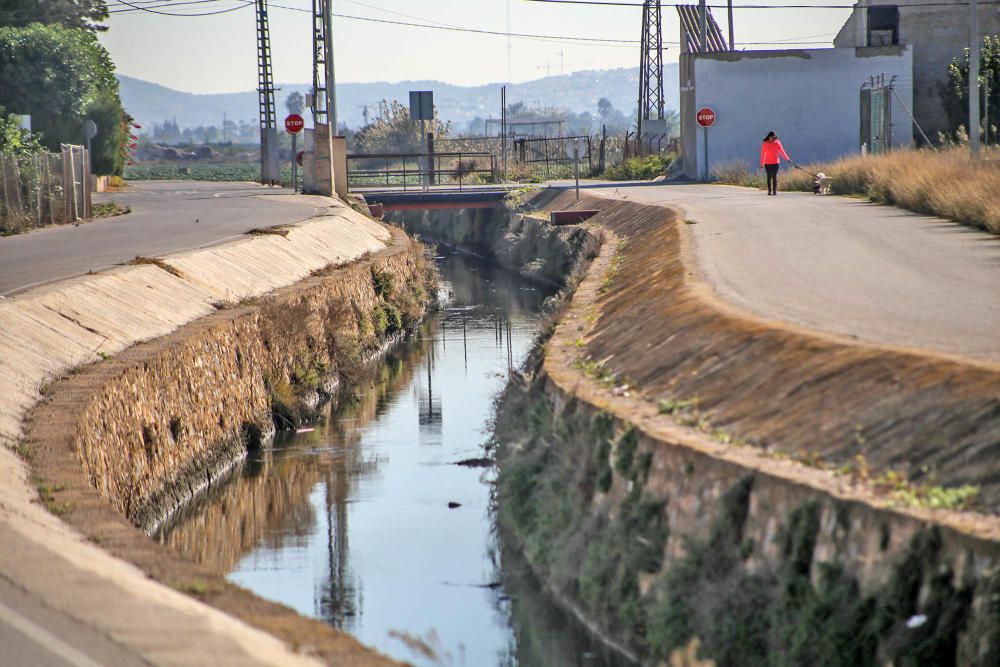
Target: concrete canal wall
678,471
129,391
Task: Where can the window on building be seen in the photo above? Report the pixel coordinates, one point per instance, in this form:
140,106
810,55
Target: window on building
883,25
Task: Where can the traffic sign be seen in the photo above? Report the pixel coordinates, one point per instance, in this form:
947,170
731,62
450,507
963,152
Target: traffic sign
705,117
294,123
299,156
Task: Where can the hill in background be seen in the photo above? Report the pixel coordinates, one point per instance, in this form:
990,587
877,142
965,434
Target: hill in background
578,92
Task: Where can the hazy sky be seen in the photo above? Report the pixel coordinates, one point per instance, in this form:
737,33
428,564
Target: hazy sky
210,54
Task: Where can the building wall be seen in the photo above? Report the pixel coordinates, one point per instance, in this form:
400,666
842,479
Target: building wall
809,97
936,35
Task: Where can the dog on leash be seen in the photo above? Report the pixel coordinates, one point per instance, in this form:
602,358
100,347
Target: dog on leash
821,184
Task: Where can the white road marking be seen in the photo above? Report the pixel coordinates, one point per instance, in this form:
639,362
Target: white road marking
45,639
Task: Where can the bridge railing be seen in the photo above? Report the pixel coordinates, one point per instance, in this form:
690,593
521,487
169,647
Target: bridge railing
411,171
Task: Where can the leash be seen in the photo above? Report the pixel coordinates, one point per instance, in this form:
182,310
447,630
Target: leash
805,170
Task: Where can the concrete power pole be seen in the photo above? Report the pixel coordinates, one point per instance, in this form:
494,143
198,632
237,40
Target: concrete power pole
974,49
327,165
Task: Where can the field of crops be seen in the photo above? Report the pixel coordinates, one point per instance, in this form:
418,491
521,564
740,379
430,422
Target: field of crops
199,172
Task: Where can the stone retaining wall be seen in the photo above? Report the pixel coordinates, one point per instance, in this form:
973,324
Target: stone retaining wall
159,427
665,528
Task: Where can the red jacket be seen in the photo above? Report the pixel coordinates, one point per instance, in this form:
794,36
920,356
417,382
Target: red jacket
769,152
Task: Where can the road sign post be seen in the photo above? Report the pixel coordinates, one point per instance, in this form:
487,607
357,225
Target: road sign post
89,132
573,153
422,109
576,165
294,123
705,117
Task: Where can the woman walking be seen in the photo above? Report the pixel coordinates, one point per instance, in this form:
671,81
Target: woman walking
771,152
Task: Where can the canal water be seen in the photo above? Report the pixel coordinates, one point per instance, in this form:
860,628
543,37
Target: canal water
370,523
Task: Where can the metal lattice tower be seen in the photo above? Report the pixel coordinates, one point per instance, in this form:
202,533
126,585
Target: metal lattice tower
324,107
265,79
265,88
651,64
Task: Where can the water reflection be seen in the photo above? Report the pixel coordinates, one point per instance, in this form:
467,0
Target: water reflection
367,523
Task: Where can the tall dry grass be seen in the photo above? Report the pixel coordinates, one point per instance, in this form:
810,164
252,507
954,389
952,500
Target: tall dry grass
945,183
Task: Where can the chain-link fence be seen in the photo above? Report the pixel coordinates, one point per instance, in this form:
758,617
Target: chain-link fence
44,189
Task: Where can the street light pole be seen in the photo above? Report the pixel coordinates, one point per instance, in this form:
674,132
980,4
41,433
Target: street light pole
974,78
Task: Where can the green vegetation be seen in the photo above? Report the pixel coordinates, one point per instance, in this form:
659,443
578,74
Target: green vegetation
955,92
544,495
109,210
200,172
392,131
62,75
574,492
198,588
639,168
81,14
47,497
907,493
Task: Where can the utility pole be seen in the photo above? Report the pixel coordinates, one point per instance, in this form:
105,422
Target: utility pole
650,67
974,49
703,25
269,169
732,45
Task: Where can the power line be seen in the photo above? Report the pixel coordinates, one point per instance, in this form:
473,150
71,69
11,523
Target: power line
477,31
151,6
587,41
638,5
244,4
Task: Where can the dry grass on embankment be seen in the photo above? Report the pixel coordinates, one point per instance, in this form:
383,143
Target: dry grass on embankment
945,183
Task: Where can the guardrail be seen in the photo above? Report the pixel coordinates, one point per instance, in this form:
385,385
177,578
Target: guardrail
409,171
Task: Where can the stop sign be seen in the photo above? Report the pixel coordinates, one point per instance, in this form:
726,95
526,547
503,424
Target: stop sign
294,123
705,117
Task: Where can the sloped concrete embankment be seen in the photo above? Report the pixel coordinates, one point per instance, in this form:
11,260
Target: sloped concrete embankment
662,470
151,424
513,236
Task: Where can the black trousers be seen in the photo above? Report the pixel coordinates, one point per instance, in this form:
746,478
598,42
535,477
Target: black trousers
772,177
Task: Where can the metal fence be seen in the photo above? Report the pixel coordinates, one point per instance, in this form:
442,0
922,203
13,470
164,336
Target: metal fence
414,170
44,189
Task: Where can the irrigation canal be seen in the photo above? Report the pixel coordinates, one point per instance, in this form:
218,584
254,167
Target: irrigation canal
368,522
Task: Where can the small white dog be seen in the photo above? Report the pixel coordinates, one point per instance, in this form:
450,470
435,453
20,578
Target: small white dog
821,184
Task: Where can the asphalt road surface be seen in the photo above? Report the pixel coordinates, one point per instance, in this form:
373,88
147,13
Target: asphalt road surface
870,272
167,216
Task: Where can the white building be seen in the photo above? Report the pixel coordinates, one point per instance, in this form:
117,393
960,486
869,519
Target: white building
810,97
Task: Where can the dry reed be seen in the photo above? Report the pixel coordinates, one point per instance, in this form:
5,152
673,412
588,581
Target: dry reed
945,183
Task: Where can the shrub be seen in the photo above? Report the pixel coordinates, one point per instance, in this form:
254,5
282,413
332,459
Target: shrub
639,168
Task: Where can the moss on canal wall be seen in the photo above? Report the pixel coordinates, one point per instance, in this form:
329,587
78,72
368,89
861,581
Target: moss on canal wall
163,420
660,529
599,509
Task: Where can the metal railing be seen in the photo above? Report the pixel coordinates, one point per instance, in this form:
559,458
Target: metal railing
410,171
551,152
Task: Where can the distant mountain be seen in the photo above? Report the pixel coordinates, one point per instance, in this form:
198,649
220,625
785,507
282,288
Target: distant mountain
577,92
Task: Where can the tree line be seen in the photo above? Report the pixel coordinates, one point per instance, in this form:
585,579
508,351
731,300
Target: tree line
54,69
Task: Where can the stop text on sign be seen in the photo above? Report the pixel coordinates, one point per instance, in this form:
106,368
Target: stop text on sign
294,123
705,117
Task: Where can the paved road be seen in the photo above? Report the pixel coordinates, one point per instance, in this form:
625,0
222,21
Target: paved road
875,273
32,633
167,216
